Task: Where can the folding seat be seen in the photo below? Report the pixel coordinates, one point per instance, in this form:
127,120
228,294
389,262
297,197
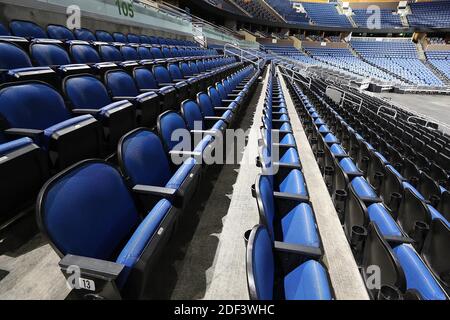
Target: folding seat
182,145
52,54
144,53
206,106
145,39
133,38
178,76
144,162
15,65
110,53
156,53
83,53
119,37
36,110
129,53
166,52
163,78
403,273
195,120
26,29
87,95
122,86
146,82
269,279
59,32
429,188
104,36
115,246
24,169
84,34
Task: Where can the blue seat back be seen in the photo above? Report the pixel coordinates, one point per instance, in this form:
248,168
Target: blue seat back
144,78
185,69
84,34
121,84
59,32
175,52
83,53
265,200
27,29
156,53
192,114
4,31
216,100
161,74
144,53
205,103
143,159
168,122
129,53
110,54
12,57
104,36
133,38
194,68
145,39
260,264
222,92
49,55
32,105
166,52
120,37
88,211
86,92
174,71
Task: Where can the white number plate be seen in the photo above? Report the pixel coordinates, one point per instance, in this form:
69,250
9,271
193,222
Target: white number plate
86,284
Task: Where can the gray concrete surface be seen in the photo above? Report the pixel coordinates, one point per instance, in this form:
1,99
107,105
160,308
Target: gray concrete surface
344,274
434,106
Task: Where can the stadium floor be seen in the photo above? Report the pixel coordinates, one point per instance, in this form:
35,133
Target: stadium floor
434,106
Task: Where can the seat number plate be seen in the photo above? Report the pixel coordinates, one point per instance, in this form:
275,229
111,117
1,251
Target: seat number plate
86,284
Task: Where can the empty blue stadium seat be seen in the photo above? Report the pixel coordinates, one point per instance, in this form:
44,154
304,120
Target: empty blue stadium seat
59,32
4,31
84,53
84,34
307,281
104,36
47,54
133,38
144,53
13,57
110,53
129,53
120,37
36,110
113,232
27,29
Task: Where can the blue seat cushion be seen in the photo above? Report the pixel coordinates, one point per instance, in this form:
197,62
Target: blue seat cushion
337,150
286,127
437,215
330,138
324,129
290,156
294,183
348,166
141,237
407,185
309,281
417,274
384,221
362,188
299,227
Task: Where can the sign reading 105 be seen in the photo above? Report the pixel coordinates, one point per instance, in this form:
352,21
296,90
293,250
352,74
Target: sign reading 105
125,8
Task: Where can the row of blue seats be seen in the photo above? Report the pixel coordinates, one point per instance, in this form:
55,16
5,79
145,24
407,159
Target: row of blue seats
30,30
114,221
97,111
284,252
411,269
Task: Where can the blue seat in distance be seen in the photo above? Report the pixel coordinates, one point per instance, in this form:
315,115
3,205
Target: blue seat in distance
129,53
26,29
288,216
59,32
156,53
144,39
144,53
166,52
306,281
110,53
15,65
123,87
24,169
36,110
83,53
178,76
104,36
144,161
87,95
111,244
133,38
206,106
84,35
146,82
120,37
195,120
4,31
163,78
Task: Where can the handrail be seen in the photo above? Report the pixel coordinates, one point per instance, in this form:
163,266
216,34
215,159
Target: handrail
240,54
387,108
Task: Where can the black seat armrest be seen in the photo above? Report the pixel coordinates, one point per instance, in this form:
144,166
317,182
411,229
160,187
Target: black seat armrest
154,190
22,132
311,252
118,98
86,111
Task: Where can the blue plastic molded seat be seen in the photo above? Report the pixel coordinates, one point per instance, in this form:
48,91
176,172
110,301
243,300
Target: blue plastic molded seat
308,281
4,31
26,29
104,36
362,188
133,38
129,53
84,34
110,53
59,32
120,37
383,219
